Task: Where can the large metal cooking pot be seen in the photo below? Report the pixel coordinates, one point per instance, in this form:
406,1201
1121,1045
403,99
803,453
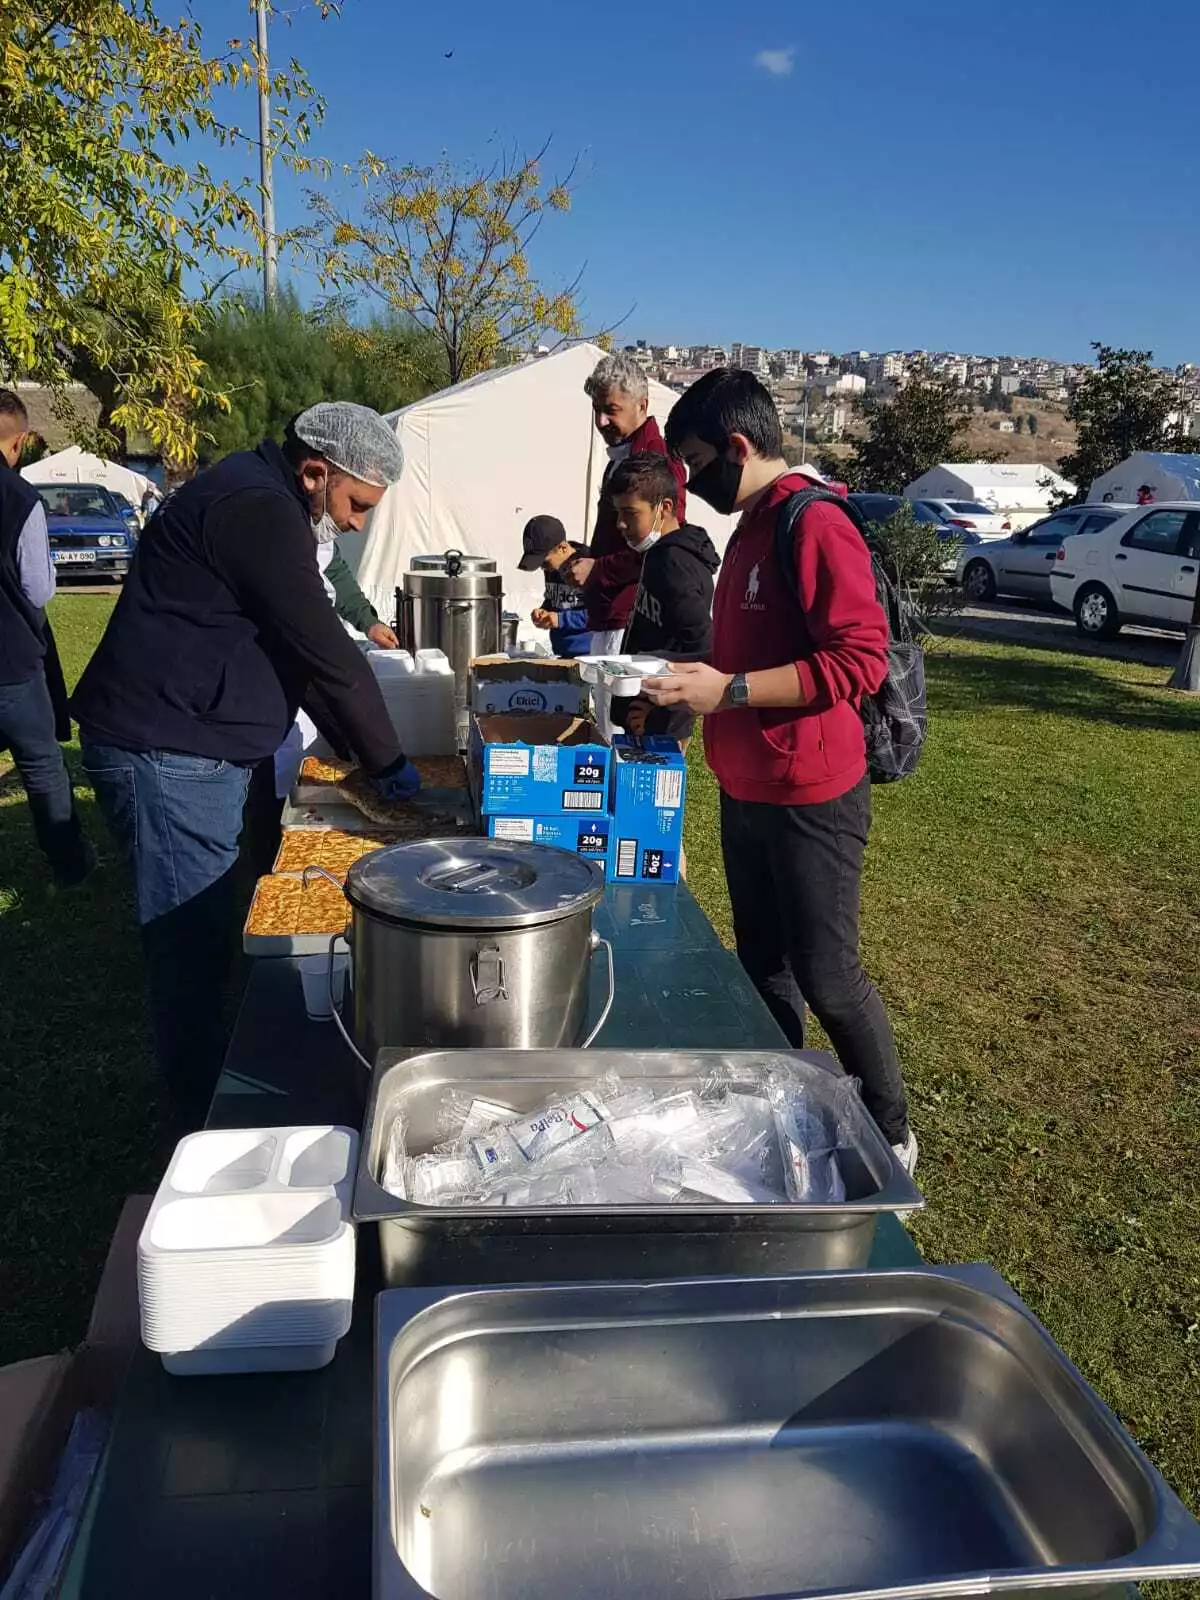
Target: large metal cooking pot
452,603
472,942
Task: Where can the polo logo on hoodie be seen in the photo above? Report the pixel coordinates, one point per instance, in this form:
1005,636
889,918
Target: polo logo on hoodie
750,603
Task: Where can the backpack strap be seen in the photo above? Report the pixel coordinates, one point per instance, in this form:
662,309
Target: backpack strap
790,512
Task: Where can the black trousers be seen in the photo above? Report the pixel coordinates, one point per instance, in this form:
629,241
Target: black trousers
795,880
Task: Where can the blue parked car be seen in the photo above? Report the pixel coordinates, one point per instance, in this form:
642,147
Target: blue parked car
879,507
90,530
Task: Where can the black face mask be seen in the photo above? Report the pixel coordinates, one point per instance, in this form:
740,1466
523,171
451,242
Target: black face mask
717,484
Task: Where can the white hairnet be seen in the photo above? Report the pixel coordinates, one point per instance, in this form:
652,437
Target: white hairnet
354,438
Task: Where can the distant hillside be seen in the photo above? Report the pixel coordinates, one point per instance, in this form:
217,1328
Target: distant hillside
1055,436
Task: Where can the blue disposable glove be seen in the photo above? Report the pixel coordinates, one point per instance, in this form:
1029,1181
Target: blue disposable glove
401,781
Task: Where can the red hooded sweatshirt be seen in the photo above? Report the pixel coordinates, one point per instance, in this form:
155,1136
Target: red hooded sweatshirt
611,587
836,633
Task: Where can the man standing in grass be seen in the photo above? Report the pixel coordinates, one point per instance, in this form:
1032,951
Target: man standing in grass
222,631
29,726
620,396
793,655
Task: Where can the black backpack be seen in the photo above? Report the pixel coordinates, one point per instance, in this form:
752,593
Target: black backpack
895,717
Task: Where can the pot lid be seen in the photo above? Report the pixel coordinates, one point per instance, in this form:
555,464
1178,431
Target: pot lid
474,883
452,561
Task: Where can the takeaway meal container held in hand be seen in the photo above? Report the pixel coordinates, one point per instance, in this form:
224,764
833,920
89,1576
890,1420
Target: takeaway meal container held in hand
471,942
514,1244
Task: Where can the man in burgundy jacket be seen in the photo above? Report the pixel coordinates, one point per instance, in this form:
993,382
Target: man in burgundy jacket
793,656
620,399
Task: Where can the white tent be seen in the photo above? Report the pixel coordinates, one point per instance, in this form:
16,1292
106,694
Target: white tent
1171,477
1022,488
483,457
74,465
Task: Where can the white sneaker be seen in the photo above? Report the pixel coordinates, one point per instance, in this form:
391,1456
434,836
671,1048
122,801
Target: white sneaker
906,1153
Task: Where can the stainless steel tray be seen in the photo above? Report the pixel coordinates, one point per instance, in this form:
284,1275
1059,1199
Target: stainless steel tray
895,1435
495,1244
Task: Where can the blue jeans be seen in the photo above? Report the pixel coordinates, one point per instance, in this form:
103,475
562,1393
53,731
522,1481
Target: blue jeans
27,730
177,819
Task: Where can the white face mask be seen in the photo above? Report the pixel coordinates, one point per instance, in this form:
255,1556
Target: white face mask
651,538
325,529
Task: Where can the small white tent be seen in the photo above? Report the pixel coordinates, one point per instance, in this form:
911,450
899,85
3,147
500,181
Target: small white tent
1023,489
483,457
1171,477
74,465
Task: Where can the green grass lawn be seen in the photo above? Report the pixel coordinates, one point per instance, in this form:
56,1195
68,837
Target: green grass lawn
78,1100
1032,916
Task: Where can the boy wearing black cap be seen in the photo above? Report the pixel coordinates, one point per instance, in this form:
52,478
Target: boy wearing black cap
547,546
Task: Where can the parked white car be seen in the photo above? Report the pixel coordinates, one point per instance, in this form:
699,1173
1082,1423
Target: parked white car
1022,563
972,515
1143,569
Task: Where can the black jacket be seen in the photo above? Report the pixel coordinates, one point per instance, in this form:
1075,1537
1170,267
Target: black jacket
22,626
224,629
672,615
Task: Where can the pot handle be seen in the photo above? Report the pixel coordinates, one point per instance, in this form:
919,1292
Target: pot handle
487,975
453,563
597,941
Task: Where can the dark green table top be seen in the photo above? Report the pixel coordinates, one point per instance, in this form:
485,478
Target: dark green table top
261,1486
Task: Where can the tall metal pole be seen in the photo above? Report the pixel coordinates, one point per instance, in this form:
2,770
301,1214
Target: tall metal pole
270,243
804,433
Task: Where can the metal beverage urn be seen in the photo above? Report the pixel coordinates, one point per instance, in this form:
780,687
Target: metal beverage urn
452,603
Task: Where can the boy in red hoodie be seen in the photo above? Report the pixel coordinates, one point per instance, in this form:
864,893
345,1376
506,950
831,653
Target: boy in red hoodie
791,662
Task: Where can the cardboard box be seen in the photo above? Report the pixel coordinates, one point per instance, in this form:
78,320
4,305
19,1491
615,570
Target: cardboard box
649,785
533,766
536,685
589,836
39,1398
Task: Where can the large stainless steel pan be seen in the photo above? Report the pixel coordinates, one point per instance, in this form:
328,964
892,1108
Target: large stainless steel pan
885,1436
480,1244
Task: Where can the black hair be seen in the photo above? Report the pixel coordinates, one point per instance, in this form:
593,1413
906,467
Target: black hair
11,405
647,476
294,447
722,402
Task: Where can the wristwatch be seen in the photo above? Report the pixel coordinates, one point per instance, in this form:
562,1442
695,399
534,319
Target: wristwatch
739,691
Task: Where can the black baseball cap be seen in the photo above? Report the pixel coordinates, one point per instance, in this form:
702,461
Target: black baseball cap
542,534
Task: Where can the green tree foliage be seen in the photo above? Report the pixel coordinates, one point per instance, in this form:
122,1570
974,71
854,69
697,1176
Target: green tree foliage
269,363
107,212
1123,404
916,560
926,422
449,250
1031,422
1018,424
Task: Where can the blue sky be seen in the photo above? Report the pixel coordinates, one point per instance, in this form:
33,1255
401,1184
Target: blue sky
1015,176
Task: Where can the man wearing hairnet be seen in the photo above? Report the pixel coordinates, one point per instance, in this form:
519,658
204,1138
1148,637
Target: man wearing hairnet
222,631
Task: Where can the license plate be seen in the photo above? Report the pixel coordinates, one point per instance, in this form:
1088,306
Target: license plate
73,555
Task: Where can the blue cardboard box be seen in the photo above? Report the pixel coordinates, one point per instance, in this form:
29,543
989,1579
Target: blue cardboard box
539,766
589,836
649,785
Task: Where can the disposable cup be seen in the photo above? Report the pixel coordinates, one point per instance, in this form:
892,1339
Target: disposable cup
314,975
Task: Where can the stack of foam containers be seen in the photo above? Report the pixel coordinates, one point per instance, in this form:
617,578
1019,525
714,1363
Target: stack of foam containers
246,1260
419,696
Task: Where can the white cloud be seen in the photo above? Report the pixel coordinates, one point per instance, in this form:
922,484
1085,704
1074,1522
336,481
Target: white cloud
778,63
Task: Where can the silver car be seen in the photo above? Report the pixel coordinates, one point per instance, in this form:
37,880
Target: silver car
1021,564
